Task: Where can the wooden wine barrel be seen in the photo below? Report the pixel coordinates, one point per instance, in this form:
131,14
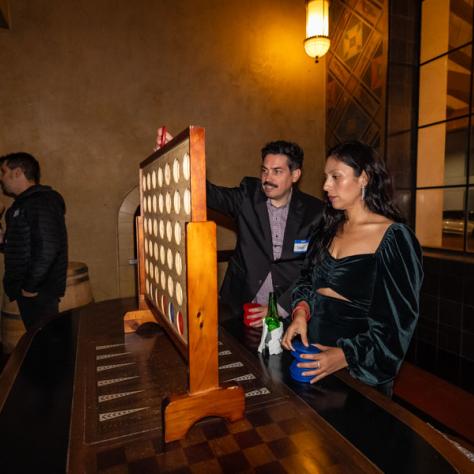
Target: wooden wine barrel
78,293
78,287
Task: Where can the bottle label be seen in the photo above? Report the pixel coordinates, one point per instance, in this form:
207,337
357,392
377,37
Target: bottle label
272,323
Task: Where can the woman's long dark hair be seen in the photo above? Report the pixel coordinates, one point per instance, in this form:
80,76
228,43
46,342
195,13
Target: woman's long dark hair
378,192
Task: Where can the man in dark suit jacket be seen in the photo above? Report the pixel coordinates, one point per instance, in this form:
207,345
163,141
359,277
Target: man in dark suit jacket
275,221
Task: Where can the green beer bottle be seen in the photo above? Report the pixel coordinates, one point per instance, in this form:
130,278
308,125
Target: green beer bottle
272,320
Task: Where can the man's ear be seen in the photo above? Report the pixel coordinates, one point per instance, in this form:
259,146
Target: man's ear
296,175
17,172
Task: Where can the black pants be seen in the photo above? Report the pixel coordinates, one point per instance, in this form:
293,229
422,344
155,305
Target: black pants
37,309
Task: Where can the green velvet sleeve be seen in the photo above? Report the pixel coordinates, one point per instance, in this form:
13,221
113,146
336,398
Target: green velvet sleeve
375,356
304,286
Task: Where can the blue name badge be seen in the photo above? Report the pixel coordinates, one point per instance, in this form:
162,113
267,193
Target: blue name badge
300,246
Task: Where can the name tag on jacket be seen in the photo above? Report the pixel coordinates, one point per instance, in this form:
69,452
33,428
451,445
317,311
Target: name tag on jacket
300,246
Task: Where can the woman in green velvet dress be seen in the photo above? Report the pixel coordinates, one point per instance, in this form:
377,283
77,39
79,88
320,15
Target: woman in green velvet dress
357,297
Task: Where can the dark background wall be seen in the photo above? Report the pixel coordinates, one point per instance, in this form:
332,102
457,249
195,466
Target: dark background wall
356,76
85,84
444,339
402,102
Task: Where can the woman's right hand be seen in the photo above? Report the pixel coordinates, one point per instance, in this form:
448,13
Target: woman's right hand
299,326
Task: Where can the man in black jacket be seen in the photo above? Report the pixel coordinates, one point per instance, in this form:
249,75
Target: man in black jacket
275,222
35,241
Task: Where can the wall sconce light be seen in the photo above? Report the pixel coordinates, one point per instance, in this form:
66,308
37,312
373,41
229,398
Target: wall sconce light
317,39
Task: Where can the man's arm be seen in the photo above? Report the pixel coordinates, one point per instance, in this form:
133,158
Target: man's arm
224,200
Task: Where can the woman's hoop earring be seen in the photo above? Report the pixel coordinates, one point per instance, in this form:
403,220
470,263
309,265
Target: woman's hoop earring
362,196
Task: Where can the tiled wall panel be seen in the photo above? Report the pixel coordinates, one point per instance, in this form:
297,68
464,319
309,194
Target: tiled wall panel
356,77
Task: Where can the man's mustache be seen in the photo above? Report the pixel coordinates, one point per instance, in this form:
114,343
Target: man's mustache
267,183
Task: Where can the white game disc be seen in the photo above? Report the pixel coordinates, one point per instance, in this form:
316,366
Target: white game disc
160,177
176,171
187,202
161,203
162,255
177,202
162,229
179,294
186,167
177,233
178,263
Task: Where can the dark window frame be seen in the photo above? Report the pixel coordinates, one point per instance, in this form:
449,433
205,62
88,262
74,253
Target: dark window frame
468,186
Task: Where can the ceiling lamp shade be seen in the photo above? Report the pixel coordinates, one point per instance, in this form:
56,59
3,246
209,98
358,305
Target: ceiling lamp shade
317,40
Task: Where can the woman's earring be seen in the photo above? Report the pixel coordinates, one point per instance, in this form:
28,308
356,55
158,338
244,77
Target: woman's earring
362,197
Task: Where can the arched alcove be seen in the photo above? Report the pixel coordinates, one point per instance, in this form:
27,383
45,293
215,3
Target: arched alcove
126,243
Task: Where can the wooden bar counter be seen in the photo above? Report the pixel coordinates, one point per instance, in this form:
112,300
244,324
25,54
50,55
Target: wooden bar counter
80,396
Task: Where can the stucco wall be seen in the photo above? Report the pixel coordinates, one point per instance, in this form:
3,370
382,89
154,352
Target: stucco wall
84,85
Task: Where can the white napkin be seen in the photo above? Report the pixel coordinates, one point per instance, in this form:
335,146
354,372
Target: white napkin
271,339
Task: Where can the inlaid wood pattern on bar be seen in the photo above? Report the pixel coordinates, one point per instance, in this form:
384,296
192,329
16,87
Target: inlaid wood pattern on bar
150,368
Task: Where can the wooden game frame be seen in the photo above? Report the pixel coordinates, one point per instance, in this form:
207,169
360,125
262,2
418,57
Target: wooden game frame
205,397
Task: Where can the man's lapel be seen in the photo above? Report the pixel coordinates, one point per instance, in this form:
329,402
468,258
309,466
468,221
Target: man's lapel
293,223
264,221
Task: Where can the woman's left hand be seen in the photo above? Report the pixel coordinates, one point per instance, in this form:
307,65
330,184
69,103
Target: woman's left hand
329,360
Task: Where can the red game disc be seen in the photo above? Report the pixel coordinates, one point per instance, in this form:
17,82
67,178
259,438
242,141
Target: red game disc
180,323
164,305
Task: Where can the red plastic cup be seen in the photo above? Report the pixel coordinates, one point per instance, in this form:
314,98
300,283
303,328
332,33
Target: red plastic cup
247,313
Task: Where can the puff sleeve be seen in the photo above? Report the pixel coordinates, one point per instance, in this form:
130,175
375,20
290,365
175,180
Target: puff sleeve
375,355
304,286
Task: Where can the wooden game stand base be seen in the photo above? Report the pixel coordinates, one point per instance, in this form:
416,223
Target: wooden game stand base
182,411
132,320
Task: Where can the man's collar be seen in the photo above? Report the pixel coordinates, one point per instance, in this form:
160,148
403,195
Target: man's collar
31,189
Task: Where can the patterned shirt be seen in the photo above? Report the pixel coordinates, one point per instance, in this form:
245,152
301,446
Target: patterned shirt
278,217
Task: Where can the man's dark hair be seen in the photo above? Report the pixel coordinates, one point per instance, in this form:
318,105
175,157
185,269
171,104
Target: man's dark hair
293,151
28,164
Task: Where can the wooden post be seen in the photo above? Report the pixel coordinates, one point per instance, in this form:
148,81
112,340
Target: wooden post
205,397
